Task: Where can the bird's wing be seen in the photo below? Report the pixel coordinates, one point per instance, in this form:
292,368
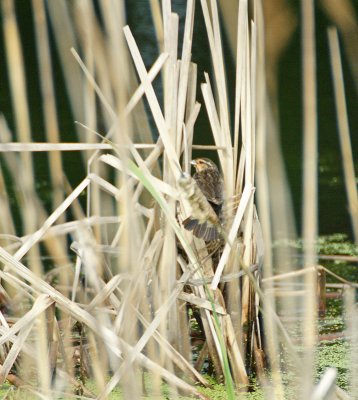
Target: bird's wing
204,231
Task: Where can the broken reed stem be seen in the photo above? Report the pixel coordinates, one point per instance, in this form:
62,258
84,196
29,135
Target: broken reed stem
288,275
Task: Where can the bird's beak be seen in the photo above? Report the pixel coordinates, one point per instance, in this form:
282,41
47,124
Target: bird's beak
193,162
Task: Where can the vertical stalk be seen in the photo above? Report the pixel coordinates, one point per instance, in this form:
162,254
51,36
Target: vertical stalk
16,71
263,199
351,319
310,203
48,96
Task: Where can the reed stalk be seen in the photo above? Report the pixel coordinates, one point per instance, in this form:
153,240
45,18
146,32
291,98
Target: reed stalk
310,185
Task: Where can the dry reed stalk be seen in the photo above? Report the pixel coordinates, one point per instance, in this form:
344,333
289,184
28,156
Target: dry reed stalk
177,357
201,303
169,149
159,184
264,206
285,293
36,236
321,295
344,16
22,121
132,103
114,21
23,128
37,147
88,37
247,310
211,336
43,287
79,314
325,388
170,378
247,194
351,319
6,221
135,352
288,275
92,82
67,228
14,352
281,24
48,95
28,350
236,354
240,56
55,250
339,278
59,15
228,12
213,344
23,326
343,129
153,102
23,291
191,113
310,202
220,128
158,22
184,67
221,122
174,93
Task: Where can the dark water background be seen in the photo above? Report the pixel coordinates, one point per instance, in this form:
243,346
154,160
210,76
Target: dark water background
333,214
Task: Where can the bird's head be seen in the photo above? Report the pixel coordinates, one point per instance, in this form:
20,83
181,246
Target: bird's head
202,164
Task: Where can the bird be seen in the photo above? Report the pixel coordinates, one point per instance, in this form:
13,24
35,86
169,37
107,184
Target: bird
209,181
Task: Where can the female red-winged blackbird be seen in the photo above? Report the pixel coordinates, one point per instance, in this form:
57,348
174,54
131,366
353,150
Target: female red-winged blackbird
210,182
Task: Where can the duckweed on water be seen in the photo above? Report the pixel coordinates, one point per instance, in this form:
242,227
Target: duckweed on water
334,354
337,244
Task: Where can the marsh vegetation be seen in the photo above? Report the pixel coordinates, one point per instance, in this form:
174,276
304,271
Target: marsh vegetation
104,293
